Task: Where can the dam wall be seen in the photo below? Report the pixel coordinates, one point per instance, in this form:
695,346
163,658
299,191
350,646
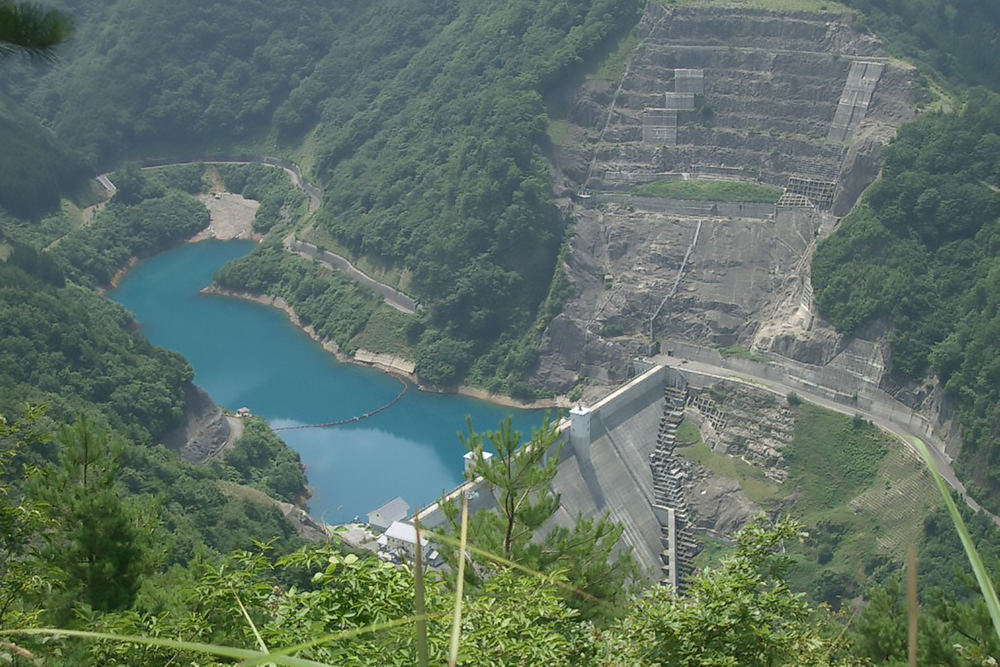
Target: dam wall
604,466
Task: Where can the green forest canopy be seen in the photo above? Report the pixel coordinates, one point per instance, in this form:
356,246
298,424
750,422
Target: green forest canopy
428,119
921,253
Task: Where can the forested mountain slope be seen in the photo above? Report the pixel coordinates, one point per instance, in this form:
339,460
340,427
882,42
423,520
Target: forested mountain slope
960,39
921,253
76,353
34,169
423,120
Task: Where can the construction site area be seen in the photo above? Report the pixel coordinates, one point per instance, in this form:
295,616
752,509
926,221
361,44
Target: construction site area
794,103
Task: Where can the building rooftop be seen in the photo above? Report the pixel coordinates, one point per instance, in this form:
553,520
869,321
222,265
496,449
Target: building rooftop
394,510
404,532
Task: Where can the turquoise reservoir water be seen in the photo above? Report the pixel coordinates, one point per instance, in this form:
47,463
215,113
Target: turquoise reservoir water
246,354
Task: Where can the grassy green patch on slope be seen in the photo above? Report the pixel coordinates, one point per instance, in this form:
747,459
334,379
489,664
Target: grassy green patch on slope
731,191
612,66
556,130
861,495
386,332
832,457
741,353
758,488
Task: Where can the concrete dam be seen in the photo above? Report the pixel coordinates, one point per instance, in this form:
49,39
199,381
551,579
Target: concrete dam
617,459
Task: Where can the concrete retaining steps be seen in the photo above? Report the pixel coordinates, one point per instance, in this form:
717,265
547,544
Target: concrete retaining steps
762,29
779,95
679,545
854,101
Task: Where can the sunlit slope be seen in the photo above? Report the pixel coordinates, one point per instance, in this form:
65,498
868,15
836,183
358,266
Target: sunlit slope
424,121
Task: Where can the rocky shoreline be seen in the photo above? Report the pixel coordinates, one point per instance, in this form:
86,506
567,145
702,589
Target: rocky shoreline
385,362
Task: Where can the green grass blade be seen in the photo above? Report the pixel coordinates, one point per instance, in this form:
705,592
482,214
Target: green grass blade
253,626
419,604
982,576
552,581
260,658
456,627
194,647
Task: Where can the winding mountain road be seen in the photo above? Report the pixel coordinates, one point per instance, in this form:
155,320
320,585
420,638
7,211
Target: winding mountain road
390,295
901,431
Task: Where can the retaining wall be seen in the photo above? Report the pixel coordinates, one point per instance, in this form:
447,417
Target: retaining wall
720,209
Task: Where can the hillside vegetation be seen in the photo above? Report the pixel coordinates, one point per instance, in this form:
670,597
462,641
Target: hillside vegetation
423,121
34,169
860,494
959,39
78,354
920,254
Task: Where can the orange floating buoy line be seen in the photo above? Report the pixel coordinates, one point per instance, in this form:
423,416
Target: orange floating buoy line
367,415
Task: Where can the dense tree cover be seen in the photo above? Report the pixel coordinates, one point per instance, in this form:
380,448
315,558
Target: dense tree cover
227,72
34,169
78,537
920,253
335,307
23,573
279,198
92,255
443,175
100,541
954,624
958,38
943,566
77,352
260,459
187,178
739,614
73,349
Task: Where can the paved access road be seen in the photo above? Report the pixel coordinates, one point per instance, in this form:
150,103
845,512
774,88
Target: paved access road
392,296
941,461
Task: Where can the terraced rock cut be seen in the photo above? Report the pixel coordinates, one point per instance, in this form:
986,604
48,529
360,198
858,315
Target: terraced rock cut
757,126
759,97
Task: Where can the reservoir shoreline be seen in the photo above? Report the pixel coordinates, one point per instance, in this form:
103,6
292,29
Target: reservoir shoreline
247,356
231,218
385,362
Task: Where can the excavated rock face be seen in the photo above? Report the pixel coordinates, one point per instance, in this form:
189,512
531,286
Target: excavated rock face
718,503
799,101
571,353
203,428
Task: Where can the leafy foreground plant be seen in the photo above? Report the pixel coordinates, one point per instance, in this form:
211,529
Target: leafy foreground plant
328,608
982,575
518,482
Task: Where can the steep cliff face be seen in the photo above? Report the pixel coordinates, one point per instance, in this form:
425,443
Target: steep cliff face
802,102
203,430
